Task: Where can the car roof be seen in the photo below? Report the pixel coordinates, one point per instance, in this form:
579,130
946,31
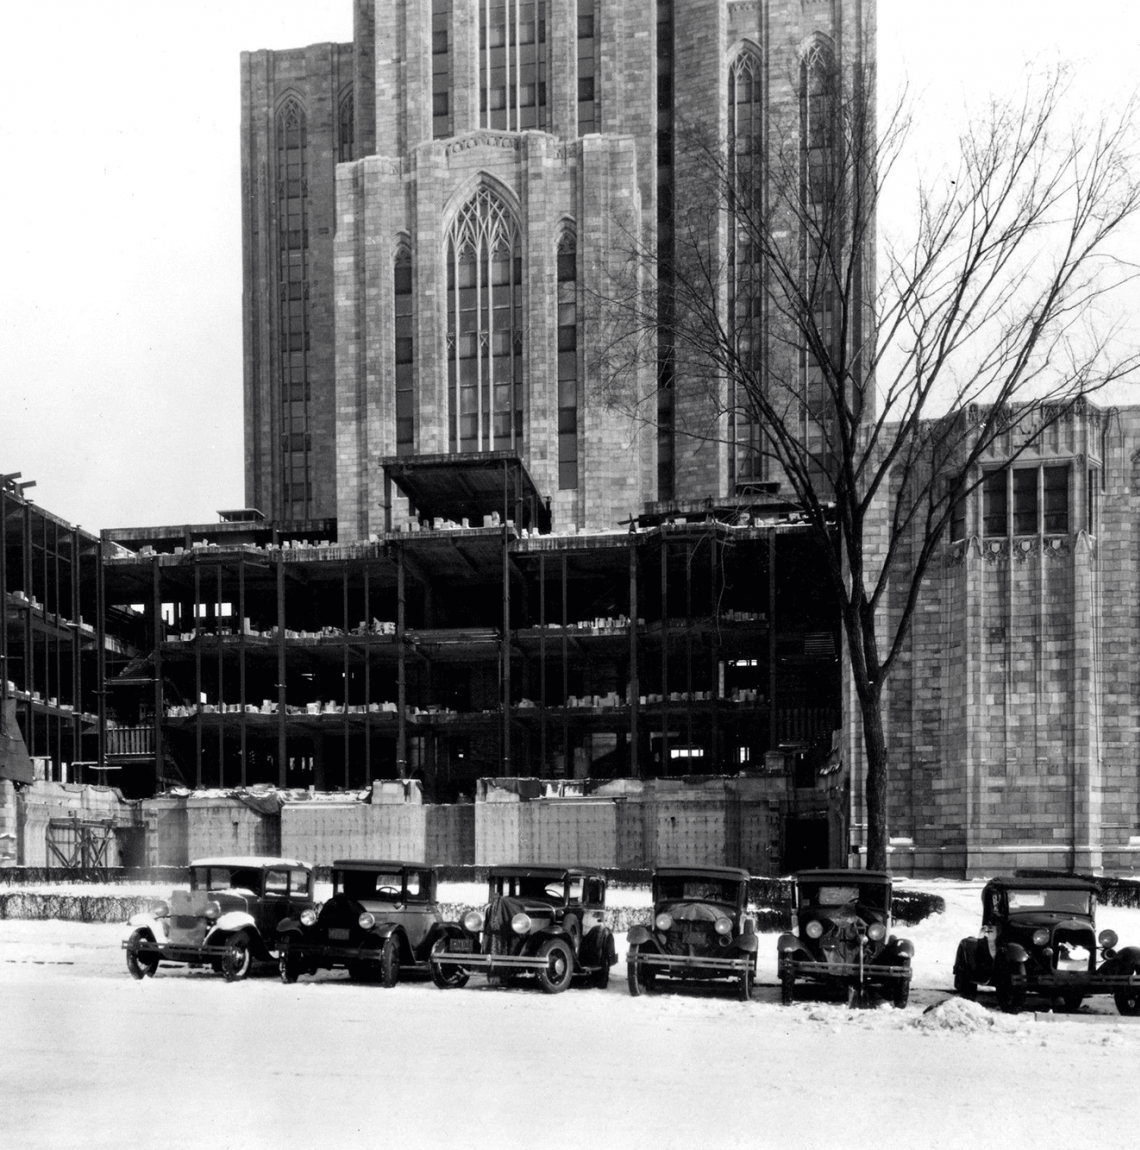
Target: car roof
379,864
728,872
857,876
1040,882
542,870
250,861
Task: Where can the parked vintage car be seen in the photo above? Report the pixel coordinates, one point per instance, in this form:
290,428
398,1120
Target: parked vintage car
840,936
540,920
227,919
1039,937
382,920
700,930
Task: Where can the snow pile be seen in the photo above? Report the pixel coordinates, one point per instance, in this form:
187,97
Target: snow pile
963,1016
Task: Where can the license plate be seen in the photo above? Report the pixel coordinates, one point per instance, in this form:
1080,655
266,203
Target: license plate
459,946
338,933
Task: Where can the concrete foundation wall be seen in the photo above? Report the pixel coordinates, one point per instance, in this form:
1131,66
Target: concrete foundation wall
41,802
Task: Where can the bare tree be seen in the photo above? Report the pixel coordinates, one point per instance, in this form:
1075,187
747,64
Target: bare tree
873,392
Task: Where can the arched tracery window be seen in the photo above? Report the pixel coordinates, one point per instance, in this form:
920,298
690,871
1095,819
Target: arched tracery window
293,314
822,230
745,268
485,326
346,130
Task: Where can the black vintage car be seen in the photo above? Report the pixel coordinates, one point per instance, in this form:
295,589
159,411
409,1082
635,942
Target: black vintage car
700,930
227,919
840,936
1039,937
540,920
382,919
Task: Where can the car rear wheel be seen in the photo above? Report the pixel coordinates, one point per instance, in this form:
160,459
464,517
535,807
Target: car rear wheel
449,977
642,979
390,961
238,957
555,976
140,965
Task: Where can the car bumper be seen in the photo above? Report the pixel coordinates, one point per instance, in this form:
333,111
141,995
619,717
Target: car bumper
492,963
172,952
692,964
1060,982
329,954
847,971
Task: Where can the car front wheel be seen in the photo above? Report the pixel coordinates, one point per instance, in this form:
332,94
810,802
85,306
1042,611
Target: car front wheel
642,979
238,957
901,995
964,985
744,985
140,965
290,967
1127,1001
1010,998
787,987
390,961
554,977
449,977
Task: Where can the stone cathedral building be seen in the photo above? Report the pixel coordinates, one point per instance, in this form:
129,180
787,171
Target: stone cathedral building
428,210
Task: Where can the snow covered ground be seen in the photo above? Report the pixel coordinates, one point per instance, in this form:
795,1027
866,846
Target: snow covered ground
91,1058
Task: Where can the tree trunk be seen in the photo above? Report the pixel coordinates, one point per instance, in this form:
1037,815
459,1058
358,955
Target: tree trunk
875,745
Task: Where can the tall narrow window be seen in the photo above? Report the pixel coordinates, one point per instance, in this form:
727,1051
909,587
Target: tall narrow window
588,119
666,354
293,309
346,130
442,124
404,353
746,306
567,362
995,520
484,327
1055,487
514,63
1025,501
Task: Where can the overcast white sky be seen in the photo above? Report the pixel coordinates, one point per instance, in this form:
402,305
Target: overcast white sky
120,298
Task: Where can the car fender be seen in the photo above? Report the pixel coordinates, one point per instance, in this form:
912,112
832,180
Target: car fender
789,944
900,947
1121,962
228,923
147,921
1015,953
639,935
747,942
598,947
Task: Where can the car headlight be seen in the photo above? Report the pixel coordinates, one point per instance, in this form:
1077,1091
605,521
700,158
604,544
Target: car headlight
876,932
814,929
1040,936
663,921
308,917
366,921
723,926
160,908
473,922
1107,939
520,924
213,911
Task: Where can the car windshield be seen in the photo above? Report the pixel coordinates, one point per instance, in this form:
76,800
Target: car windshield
833,895
541,887
1066,901
697,889
375,886
227,878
